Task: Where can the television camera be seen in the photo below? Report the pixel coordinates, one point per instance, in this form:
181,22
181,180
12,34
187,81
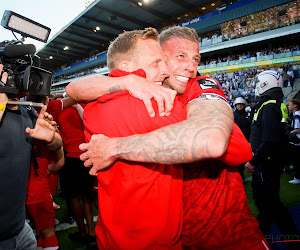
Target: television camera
19,59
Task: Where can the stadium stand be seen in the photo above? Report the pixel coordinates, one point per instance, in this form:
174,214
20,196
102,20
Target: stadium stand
234,35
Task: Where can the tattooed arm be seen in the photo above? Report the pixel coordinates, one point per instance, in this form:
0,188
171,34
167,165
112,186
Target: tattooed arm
205,134
92,87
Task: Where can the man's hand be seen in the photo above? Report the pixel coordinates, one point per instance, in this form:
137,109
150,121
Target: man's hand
92,87
249,167
45,127
145,90
98,153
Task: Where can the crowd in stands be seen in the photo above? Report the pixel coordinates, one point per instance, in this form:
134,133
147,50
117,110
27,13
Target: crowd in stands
254,53
78,74
273,18
241,83
210,36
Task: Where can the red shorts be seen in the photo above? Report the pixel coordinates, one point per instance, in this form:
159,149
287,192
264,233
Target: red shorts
43,215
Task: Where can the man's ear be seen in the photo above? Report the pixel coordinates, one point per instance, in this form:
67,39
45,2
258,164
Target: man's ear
126,65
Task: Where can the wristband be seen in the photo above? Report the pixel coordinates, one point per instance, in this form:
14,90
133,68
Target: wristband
2,107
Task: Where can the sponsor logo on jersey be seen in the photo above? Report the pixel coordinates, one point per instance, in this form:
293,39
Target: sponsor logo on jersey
208,83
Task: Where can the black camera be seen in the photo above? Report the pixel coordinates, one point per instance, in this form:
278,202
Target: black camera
19,60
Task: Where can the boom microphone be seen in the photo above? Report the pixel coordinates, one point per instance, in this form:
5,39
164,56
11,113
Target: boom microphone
12,51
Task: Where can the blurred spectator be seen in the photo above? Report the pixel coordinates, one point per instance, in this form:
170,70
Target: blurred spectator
294,139
77,182
285,78
241,118
290,77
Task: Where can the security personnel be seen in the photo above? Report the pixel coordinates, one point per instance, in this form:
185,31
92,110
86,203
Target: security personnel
241,118
267,140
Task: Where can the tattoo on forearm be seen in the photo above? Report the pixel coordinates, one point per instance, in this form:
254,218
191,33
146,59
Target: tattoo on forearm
191,140
114,89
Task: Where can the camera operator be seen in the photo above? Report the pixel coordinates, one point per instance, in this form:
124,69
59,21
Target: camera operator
18,127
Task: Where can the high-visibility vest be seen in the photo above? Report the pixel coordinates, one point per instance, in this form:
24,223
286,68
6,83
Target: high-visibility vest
284,110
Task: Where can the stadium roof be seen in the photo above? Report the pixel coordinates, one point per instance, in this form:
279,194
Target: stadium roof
91,32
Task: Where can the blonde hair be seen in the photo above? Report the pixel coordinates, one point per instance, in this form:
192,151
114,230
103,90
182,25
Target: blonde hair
123,47
177,31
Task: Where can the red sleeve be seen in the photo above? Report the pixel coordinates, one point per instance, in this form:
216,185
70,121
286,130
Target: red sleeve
200,85
239,150
54,107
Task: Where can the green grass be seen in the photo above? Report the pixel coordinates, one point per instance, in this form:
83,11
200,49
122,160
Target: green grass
289,193
289,196
61,214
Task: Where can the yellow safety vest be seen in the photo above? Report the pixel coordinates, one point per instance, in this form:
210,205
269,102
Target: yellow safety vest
283,108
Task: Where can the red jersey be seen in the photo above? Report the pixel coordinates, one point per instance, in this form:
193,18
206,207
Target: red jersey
215,210
38,189
140,204
70,127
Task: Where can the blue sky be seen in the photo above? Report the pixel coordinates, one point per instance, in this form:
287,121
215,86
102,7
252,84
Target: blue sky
54,14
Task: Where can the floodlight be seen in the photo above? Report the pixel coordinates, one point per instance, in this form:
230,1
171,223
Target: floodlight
25,26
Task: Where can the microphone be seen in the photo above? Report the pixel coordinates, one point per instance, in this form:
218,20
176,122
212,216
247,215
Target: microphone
12,51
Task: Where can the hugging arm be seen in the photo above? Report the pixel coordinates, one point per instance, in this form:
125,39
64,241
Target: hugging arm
92,87
204,135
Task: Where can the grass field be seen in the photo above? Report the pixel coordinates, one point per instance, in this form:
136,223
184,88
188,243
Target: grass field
290,196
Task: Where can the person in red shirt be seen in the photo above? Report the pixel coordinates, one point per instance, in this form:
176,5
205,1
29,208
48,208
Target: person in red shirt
39,203
77,183
151,191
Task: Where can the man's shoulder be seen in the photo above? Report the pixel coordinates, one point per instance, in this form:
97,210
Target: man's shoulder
270,109
272,104
297,114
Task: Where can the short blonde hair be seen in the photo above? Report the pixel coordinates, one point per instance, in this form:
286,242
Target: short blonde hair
181,32
123,47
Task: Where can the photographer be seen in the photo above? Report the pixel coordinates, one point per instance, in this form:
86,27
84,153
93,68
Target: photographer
17,130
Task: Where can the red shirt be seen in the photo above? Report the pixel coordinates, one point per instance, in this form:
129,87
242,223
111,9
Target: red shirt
70,127
215,210
140,204
38,189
